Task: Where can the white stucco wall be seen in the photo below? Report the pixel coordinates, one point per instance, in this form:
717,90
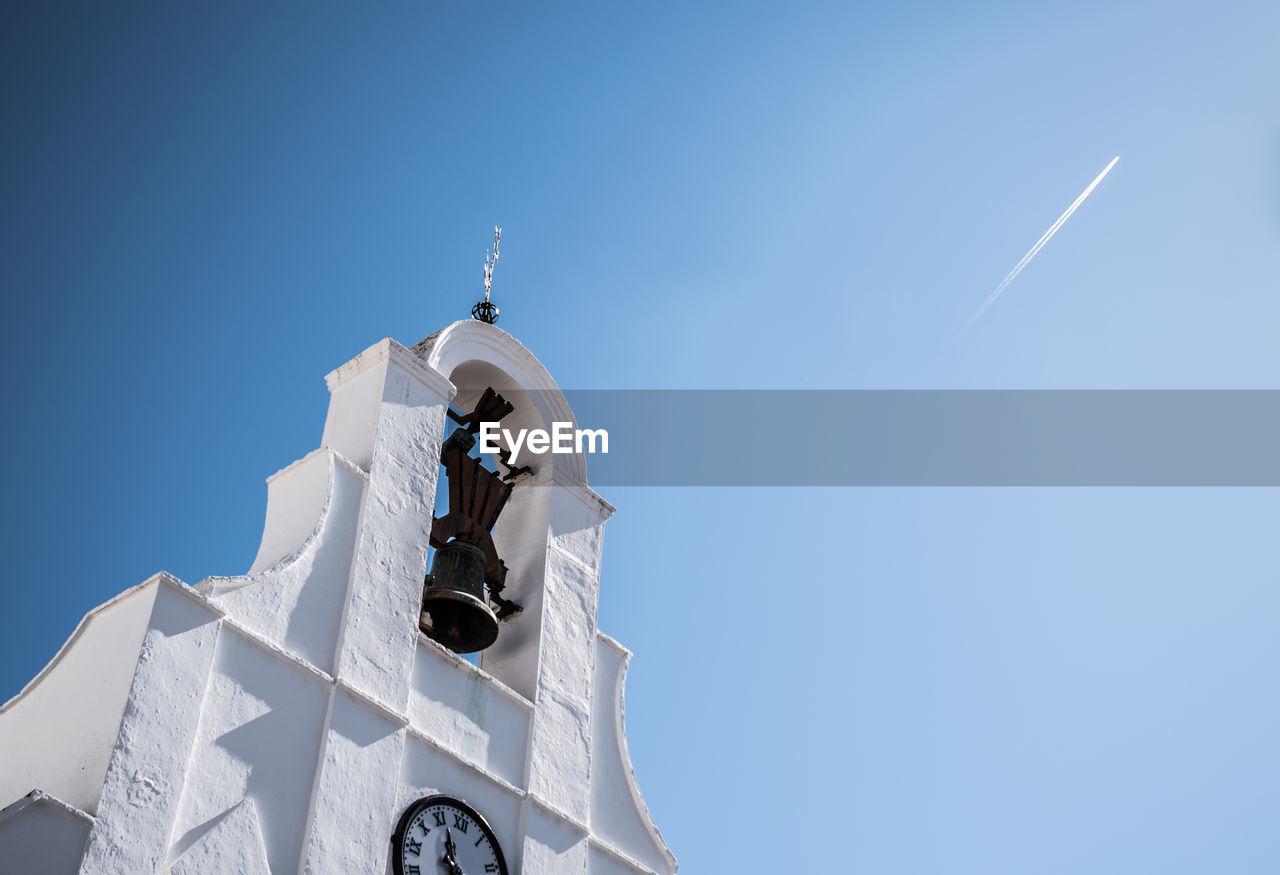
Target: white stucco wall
282,720
627,827
41,834
469,713
259,738
296,599
58,733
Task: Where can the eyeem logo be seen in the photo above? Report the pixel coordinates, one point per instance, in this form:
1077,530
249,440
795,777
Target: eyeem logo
563,438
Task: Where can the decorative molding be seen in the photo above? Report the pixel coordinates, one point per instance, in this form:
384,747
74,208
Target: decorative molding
39,797
471,764
276,650
584,493
334,454
620,855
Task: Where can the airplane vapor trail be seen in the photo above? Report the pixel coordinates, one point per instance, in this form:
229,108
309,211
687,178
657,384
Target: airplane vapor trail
1026,259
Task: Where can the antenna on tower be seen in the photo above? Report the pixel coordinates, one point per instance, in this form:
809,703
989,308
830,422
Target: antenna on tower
485,311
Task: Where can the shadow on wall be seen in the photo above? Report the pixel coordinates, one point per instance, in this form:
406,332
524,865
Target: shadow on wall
266,719
317,613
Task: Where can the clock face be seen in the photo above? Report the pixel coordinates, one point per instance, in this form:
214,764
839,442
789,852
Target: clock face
441,835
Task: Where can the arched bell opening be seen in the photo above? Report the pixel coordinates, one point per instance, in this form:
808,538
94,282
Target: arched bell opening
500,629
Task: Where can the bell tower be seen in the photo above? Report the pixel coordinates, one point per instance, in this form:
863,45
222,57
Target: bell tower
314,714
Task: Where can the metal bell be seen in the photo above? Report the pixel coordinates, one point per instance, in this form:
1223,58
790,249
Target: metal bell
454,610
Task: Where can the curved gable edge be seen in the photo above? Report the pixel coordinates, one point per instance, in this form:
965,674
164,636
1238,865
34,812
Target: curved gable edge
618,809
65,721
295,601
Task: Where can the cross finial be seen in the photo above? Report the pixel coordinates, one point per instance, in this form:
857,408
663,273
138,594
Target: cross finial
485,311
490,261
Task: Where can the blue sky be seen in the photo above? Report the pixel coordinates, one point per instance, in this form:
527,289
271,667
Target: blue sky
206,207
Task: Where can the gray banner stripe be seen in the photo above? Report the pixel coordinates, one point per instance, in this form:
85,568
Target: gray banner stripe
933,438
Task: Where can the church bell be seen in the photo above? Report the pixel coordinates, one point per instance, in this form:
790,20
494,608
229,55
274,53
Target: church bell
454,610
467,573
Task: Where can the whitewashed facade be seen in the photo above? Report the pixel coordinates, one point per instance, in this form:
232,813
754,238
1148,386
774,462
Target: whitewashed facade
283,720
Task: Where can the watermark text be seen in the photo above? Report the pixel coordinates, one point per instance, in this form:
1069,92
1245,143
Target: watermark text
562,439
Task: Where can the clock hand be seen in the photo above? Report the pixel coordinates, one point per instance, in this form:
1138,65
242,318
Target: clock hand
449,850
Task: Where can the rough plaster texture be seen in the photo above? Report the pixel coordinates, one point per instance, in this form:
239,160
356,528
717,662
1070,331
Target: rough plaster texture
357,792
148,765
281,721
466,713
233,844
561,751
562,723
259,738
296,603
379,636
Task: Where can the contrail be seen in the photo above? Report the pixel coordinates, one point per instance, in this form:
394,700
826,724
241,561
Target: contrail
1026,259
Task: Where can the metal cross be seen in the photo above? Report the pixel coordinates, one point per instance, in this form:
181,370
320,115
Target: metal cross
490,261
485,311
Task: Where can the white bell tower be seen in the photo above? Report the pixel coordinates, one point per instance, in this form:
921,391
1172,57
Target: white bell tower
290,720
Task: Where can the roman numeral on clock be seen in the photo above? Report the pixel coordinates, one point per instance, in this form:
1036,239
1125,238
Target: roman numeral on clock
417,852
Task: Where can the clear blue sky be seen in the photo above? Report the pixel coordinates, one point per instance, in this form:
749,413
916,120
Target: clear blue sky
207,206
